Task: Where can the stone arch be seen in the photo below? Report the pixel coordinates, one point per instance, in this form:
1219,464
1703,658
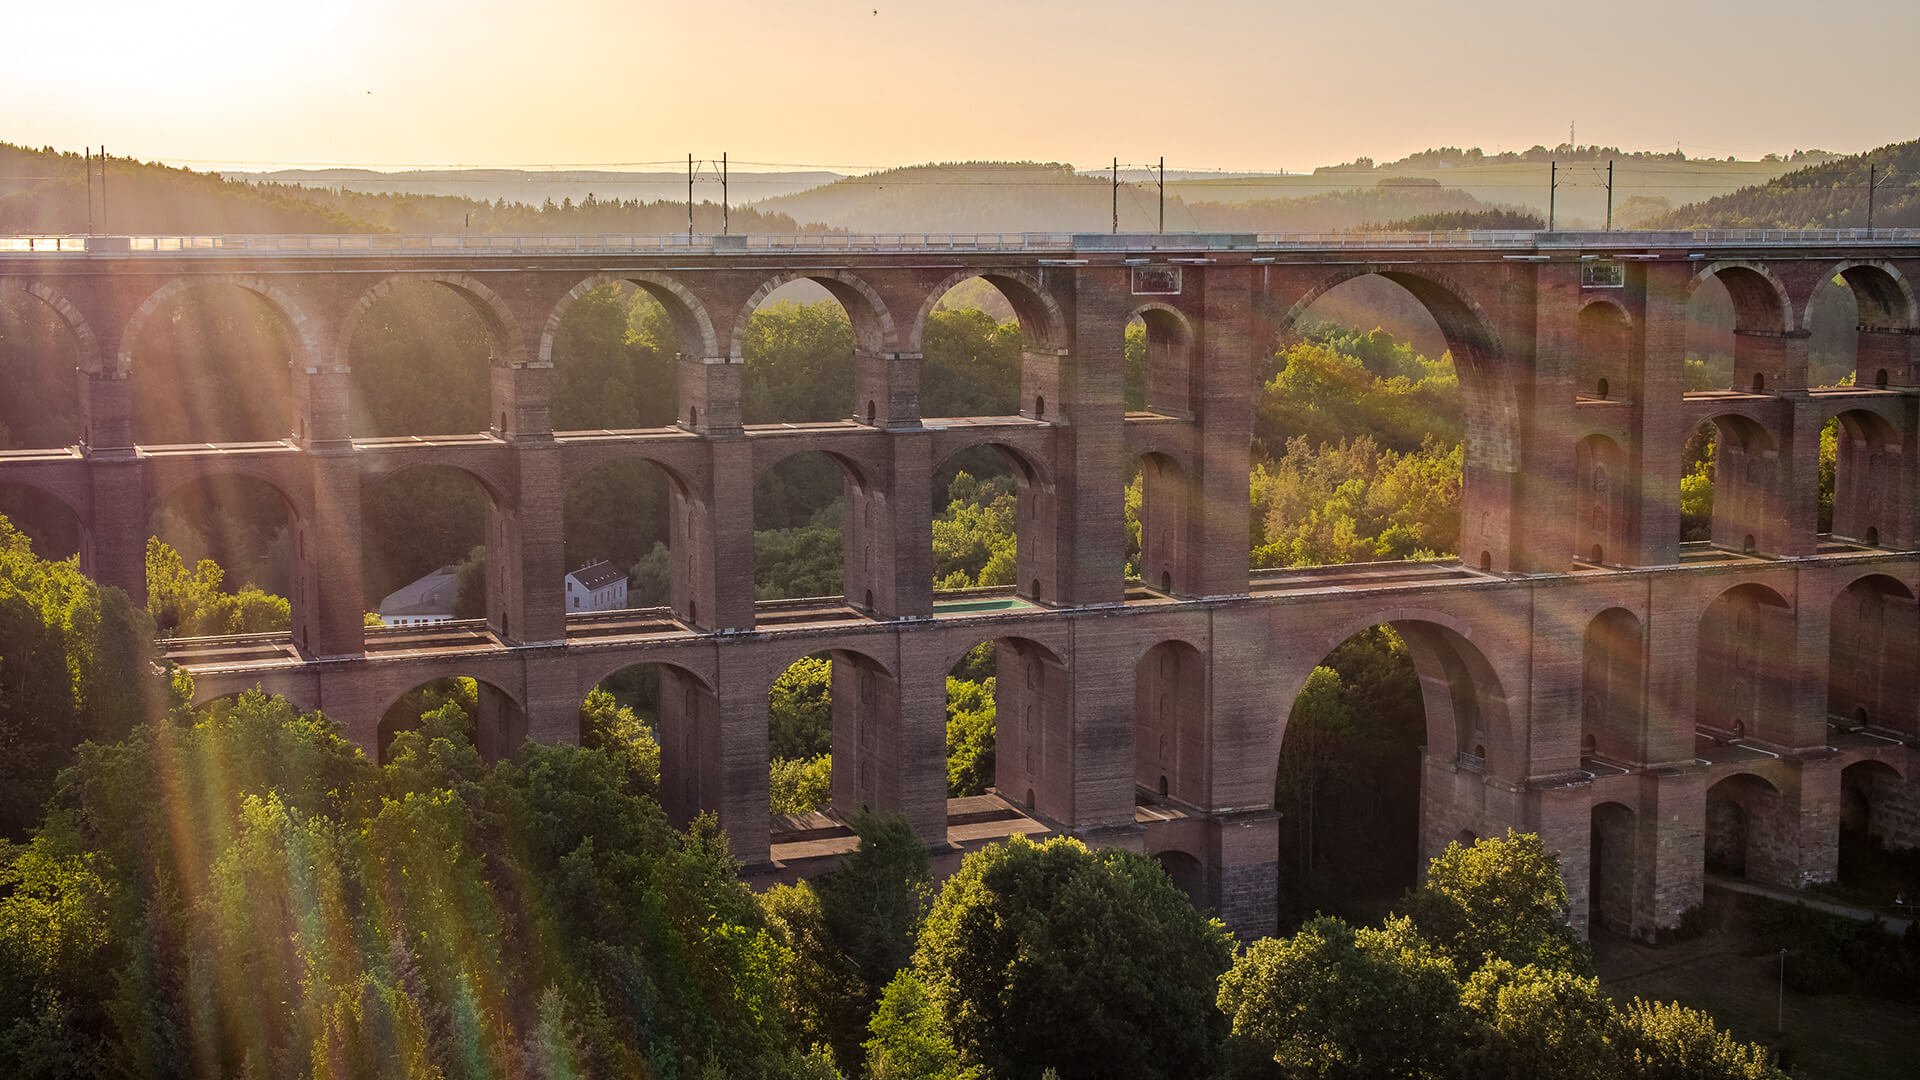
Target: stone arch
86,341
1750,831
1042,323
499,726
1612,867
1188,874
503,329
693,327
687,728
868,737
856,471
1169,722
1492,450
1745,669
1873,637
1171,368
379,472
1035,528
1877,813
873,329
297,698
302,331
1613,687
1883,294
1761,303
1603,528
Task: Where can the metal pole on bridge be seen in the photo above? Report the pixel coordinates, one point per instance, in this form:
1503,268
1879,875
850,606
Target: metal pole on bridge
723,192
1116,195
1163,193
89,168
689,199
1553,188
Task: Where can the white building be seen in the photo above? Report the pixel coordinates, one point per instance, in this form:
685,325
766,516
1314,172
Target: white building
422,602
599,586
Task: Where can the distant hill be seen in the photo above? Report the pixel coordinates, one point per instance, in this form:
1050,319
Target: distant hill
537,187
1384,205
45,191
977,196
1826,196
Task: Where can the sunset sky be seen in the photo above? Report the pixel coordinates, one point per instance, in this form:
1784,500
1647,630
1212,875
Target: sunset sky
1208,83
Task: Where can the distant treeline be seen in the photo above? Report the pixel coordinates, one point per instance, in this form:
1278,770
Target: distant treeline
46,191
1447,157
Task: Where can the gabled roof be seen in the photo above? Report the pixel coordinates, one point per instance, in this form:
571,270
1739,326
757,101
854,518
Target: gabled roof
595,576
429,595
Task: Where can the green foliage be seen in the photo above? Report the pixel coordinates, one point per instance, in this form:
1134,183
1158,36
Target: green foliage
1348,386
1038,955
909,1041
1499,899
605,724
1355,502
75,664
251,896
974,539
970,365
1450,220
1831,195
614,363
187,603
800,785
1672,1042
800,709
971,710
1533,1023
851,931
799,363
1335,1003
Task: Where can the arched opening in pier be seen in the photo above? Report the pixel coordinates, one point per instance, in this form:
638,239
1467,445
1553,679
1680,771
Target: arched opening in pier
424,546
1730,491
461,708
992,525
1613,688
1744,680
834,736
1604,370
1366,449
1860,465
44,519
1750,832
1161,363
615,349
210,363
1170,761
1390,710
992,345
41,354
1611,859
422,354
1878,827
1162,513
662,721
1187,874
249,530
1873,638
1005,700
1603,509
1737,328
808,510
623,523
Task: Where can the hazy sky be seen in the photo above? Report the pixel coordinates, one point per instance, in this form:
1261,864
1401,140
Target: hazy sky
1209,83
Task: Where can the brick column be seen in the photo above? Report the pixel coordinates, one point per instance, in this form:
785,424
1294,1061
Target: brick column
710,394
1672,826
1799,479
922,739
886,388
1891,350
1245,875
1542,516
1658,428
733,754
1816,820
889,555
1223,408
1778,360
526,558
689,730
1092,758
329,593
1091,472
712,548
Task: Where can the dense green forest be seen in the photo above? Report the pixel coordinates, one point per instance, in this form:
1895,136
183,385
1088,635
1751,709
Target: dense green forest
1829,195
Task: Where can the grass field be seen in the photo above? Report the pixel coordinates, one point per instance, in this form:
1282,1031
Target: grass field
1824,1037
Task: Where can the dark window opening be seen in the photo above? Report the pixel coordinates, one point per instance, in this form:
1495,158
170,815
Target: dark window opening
1601,390
1759,382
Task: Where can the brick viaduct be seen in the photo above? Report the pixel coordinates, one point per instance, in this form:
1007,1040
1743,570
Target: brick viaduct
1640,703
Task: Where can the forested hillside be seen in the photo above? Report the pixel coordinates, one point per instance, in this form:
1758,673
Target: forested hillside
1826,196
42,191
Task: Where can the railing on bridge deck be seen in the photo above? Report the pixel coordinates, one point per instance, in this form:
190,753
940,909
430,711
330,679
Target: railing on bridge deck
709,243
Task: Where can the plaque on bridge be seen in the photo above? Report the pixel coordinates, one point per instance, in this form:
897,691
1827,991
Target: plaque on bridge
1603,274
1156,281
